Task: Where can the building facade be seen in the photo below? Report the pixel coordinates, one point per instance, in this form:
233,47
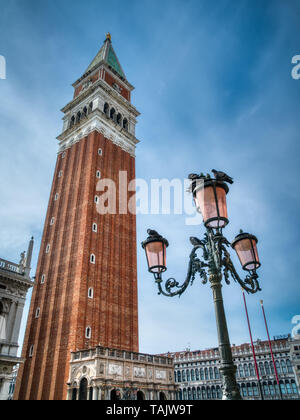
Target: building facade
295,356
108,374
86,279
15,282
198,377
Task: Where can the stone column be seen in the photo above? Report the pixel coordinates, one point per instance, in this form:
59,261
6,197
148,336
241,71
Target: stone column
4,388
95,393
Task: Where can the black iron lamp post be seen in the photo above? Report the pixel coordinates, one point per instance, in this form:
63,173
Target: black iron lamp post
209,195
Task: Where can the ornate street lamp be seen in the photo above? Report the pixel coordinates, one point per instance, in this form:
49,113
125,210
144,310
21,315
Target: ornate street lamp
209,195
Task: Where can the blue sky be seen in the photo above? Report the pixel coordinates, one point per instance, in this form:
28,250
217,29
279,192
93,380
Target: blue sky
214,88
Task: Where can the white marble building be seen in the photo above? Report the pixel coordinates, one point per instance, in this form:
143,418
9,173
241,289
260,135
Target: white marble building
14,284
107,374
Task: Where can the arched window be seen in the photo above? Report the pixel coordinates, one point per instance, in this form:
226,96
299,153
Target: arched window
140,396
92,259
213,393
288,387
112,114
90,107
78,117
294,387
278,368
219,393
246,370
94,227
37,312
74,394
283,366
198,393
271,388
271,367
179,376
249,390
216,372
31,351
192,375
119,119
162,396
241,371
114,395
91,293
183,376
83,389
201,374
266,388
282,387
188,378
106,109
206,373
276,387
184,394
289,366
244,390
84,112
255,389
125,124
88,332
194,395
261,369
72,121
203,392
267,368
251,369
208,393
197,375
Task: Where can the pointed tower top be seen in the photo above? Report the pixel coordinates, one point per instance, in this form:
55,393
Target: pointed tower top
108,55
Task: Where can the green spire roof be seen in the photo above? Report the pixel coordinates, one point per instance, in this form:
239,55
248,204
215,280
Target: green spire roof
108,55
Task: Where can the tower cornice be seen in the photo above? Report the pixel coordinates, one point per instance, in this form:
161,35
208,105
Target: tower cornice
98,122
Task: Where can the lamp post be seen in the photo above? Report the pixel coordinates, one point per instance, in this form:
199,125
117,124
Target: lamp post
210,198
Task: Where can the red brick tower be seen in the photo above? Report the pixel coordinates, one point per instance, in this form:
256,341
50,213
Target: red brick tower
85,292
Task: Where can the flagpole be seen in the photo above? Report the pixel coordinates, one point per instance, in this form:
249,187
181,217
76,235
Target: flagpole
253,350
270,346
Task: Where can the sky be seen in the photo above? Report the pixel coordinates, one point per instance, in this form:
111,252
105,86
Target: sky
214,88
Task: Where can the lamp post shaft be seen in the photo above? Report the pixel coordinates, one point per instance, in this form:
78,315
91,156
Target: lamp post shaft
228,369
253,349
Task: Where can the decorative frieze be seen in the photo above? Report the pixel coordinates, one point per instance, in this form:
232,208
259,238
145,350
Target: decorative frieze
98,123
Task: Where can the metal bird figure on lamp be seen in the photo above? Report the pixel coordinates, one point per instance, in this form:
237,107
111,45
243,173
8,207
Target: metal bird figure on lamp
209,195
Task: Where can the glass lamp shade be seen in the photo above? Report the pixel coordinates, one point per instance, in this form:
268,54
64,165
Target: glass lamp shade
211,201
155,249
245,246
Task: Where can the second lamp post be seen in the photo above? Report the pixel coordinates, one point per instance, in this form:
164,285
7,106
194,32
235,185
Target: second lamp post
209,195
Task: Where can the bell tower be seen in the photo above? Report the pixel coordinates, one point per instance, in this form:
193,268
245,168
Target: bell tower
85,293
